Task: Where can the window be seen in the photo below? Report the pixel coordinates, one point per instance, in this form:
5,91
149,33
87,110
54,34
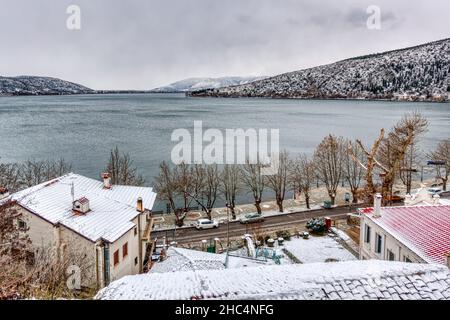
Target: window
125,250
391,255
378,243
367,234
116,257
406,259
21,224
135,261
135,230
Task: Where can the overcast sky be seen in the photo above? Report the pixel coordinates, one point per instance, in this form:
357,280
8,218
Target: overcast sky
137,44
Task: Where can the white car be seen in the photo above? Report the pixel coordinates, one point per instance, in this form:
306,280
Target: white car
206,224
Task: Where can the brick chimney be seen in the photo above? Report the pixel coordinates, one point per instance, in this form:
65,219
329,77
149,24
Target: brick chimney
377,206
140,205
106,180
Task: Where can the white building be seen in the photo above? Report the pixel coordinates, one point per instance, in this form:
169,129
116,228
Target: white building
109,225
410,233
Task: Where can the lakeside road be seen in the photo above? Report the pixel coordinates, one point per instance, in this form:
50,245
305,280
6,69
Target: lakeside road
191,234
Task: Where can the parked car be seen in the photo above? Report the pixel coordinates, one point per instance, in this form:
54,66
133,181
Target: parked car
251,218
434,190
206,224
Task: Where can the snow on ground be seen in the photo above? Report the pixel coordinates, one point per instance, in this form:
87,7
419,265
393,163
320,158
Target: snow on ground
341,234
317,249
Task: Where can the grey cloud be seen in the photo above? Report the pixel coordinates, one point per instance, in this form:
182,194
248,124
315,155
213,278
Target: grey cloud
143,44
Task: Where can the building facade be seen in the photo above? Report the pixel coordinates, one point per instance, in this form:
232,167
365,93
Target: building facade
419,234
103,227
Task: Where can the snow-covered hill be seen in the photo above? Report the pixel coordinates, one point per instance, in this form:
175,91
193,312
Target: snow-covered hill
30,85
415,73
193,84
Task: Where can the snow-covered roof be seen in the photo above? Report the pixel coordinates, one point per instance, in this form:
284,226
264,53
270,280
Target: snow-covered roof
370,279
111,210
180,259
423,229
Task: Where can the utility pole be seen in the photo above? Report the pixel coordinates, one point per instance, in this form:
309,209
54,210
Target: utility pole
228,236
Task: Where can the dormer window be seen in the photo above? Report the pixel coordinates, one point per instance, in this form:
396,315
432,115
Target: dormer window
81,205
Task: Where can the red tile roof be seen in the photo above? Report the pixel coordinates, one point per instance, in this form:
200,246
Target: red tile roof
423,229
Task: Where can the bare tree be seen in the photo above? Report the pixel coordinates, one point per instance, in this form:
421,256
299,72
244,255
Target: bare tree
391,151
328,157
302,176
353,172
122,170
205,186
230,186
10,176
13,253
211,189
254,180
442,153
409,166
33,172
278,181
394,147
167,188
187,184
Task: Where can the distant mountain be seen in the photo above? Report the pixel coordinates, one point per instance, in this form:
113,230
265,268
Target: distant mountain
30,85
193,84
419,73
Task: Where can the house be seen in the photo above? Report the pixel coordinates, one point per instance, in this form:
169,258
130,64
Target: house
371,279
108,225
418,234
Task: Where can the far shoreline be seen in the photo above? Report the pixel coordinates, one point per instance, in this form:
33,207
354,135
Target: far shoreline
187,95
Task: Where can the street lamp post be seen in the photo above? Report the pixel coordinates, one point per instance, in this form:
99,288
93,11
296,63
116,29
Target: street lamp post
228,224
228,235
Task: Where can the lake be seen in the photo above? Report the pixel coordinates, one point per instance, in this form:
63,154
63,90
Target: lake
84,128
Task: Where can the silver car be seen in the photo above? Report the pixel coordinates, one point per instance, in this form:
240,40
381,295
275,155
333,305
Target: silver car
251,218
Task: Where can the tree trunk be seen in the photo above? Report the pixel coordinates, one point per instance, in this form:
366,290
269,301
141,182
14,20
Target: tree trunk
233,212
332,199
355,196
307,201
179,218
258,206
280,205
444,184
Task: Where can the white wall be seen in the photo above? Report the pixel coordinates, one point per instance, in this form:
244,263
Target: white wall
126,265
40,231
367,250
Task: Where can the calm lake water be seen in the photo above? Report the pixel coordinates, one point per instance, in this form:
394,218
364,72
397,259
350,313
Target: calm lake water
83,129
